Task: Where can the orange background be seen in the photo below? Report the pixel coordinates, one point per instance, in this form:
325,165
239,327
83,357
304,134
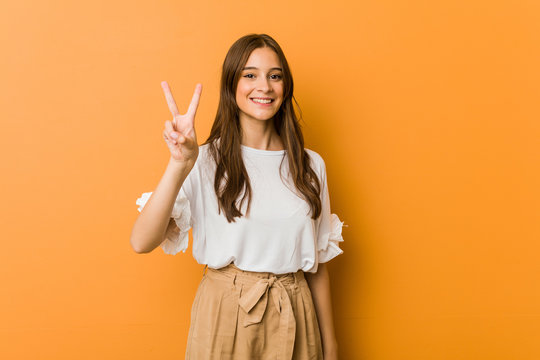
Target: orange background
426,114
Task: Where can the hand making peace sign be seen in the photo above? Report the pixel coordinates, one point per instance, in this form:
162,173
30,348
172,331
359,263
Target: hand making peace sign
179,133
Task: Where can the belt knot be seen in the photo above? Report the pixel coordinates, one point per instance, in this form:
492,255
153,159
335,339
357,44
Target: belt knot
254,303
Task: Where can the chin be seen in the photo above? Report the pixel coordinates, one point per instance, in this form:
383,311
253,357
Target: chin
262,117
265,118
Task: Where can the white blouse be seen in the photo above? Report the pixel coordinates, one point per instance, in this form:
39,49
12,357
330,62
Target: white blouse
278,235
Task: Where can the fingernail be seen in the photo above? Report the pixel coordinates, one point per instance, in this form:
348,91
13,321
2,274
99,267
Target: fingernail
174,135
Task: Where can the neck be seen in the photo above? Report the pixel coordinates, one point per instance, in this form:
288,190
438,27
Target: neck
260,134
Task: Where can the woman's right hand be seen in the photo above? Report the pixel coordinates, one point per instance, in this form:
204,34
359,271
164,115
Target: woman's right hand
179,133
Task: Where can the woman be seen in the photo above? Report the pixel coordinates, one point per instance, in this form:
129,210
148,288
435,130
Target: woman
258,203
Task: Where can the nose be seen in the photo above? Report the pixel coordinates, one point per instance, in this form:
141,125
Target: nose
263,84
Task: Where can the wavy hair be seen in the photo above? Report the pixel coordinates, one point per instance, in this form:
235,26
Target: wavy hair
231,178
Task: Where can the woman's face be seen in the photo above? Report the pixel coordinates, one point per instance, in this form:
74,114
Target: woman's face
259,93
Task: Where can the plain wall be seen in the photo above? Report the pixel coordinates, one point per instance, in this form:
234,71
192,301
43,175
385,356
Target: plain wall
426,114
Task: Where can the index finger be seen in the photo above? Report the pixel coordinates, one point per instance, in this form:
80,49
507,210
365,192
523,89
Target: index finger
170,98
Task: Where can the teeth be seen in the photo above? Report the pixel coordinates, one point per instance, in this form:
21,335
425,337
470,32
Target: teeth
263,101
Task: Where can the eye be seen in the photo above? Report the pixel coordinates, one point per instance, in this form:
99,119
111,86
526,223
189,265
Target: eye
275,76
249,76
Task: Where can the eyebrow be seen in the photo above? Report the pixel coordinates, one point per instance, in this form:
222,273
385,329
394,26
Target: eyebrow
256,68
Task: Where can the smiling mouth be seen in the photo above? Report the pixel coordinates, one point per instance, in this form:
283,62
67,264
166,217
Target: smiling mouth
262,100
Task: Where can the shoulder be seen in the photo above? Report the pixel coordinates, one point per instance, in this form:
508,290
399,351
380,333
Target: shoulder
202,162
317,163
316,158
204,153
203,148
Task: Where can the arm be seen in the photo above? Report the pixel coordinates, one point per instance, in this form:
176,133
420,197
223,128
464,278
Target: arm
150,227
319,284
152,223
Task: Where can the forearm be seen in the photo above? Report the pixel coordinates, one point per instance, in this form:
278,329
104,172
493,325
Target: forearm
319,284
151,224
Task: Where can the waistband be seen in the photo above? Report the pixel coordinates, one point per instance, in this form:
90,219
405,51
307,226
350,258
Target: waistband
232,273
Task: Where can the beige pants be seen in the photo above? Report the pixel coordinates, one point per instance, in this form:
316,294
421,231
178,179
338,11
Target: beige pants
240,315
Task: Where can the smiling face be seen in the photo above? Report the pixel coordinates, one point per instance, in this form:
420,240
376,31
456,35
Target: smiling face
259,92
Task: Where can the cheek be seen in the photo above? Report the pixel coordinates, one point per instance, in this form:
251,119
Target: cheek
241,90
279,90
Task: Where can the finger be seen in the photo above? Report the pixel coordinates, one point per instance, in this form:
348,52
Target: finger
170,99
167,137
168,140
189,142
192,110
170,130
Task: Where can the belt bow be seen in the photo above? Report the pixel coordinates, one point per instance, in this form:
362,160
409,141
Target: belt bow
254,303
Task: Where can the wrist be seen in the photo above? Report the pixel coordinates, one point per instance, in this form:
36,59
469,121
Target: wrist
183,167
178,171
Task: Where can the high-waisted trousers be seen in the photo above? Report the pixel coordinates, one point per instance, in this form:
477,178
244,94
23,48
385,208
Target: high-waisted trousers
239,315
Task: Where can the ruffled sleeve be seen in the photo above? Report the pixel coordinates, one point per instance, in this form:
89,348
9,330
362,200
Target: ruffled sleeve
177,237
330,226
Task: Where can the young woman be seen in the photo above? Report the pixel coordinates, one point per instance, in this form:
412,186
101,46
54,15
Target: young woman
259,207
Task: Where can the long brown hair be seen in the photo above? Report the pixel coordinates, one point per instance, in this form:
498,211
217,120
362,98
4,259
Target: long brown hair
227,152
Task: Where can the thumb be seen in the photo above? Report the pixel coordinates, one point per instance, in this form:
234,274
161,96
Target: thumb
190,142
